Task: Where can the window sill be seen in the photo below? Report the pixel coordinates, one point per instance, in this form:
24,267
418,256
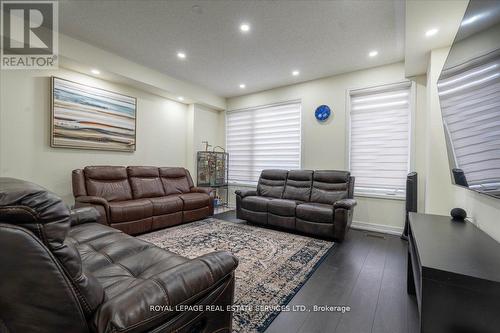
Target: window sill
381,196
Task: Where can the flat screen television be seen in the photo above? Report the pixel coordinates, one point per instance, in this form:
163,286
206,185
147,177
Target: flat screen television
469,95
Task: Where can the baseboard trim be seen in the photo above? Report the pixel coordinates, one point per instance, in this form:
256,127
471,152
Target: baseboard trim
385,229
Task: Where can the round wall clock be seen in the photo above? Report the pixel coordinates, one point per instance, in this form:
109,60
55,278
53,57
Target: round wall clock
322,112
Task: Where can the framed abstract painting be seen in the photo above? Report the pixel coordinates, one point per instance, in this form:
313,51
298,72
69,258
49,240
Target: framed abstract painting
86,117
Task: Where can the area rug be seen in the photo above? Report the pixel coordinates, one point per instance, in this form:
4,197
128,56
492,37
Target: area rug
273,265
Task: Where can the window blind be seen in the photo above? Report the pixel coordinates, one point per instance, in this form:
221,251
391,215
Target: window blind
380,139
266,137
470,106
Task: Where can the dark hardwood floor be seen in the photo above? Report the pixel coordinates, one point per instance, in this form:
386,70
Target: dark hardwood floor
367,272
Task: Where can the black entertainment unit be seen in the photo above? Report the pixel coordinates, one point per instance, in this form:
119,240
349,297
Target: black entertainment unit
454,271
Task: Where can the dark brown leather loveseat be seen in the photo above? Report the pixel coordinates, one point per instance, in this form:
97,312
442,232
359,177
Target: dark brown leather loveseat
318,203
62,272
138,199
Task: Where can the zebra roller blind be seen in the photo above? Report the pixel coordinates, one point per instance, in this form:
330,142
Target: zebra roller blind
470,105
267,137
380,130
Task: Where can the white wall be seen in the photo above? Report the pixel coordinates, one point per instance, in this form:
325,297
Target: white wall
439,192
25,151
205,124
324,144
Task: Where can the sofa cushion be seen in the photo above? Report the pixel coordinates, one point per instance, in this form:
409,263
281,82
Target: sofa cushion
108,182
119,261
329,186
175,180
315,212
145,182
298,185
130,210
195,200
282,207
256,203
166,205
272,183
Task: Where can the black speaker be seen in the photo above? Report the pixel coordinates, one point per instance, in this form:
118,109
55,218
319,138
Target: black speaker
458,214
459,177
411,199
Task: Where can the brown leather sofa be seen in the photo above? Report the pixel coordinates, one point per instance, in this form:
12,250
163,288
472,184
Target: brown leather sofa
318,203
138,199
62,272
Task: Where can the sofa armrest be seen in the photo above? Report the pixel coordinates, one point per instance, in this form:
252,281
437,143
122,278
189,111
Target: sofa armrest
159,298
98,203
344,211
245,193
83,215
345,203
208,190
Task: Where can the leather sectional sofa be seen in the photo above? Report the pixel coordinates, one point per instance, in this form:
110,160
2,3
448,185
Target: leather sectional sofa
138,199
318,203
62,272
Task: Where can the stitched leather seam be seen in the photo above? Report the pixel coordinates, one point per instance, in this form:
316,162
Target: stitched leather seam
27,209
39,231
215,300
99,236
209,268
156,263
167,298
120,240
160,314
59,267
108,258
105,255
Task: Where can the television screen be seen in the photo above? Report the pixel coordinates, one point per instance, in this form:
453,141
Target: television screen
469,94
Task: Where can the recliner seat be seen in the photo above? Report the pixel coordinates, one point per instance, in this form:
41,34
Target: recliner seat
319,203
63,272
138,199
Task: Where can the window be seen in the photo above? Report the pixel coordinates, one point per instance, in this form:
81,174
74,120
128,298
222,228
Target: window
266,137
380,132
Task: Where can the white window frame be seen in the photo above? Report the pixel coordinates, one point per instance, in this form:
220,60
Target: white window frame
411,129
293,101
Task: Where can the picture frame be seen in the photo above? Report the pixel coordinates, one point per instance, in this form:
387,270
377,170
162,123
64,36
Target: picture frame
86,117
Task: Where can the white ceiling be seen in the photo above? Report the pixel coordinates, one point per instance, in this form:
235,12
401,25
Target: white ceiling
319,38
423,15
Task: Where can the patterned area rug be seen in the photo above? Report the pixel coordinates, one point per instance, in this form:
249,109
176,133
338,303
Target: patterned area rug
273,265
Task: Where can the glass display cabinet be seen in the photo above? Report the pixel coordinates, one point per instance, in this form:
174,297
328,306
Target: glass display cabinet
212,171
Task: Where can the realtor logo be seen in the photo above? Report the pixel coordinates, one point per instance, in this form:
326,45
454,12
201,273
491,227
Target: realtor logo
29,32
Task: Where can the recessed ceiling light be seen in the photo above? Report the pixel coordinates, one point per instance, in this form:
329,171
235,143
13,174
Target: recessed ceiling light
197,9
180,98
431,32
242,86
373,53
245,27
95,71
181,55
295,73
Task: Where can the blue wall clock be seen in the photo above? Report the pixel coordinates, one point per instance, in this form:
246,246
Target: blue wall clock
322,112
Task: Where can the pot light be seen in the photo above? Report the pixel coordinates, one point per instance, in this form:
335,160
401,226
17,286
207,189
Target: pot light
295,73
431,32
373,53
95,71
242,86
181,55
245,27
180,98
